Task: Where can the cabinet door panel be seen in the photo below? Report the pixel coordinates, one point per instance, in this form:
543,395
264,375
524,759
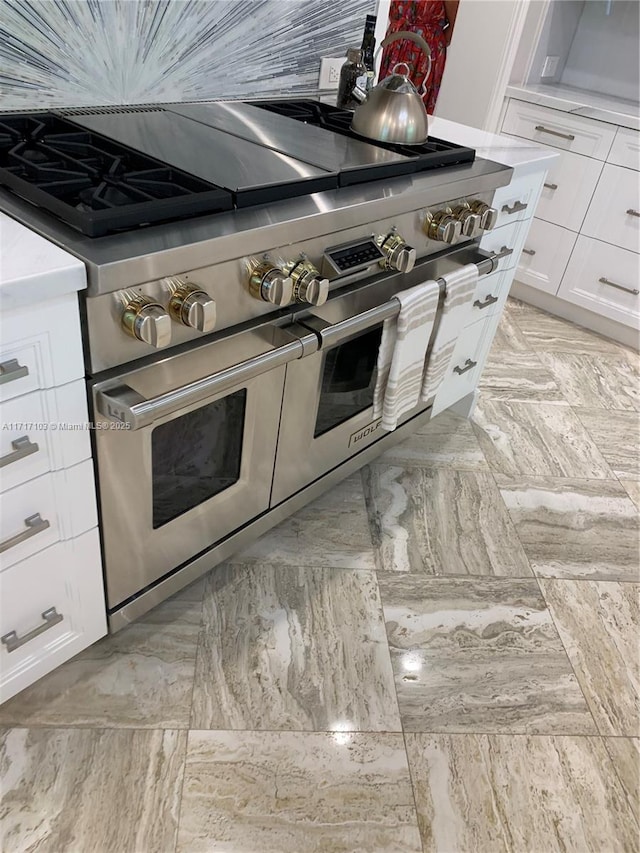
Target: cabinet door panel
545,255
614,212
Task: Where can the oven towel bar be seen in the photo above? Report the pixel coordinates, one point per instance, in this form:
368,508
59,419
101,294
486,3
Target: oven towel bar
402,353
460,287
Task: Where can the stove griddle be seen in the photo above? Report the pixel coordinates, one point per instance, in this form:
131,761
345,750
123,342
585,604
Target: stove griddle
432,154
93,183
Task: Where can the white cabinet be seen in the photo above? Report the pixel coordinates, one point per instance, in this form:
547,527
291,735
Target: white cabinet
545,255
614,212
625,150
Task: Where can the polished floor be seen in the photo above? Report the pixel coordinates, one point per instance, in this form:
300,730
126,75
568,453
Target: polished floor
441,654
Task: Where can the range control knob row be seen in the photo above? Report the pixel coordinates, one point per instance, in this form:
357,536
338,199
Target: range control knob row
270,283
397,254
470,222
443,226
488,215
308,284
191,306
147,321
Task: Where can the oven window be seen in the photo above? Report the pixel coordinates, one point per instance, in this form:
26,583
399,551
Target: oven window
348,380
196,456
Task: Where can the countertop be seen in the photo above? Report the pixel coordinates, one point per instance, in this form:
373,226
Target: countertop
32,269
580,102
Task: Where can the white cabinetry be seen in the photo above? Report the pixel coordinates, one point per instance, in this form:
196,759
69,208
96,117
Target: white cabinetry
51,592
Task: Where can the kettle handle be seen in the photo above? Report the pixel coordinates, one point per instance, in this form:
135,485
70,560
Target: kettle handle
416,39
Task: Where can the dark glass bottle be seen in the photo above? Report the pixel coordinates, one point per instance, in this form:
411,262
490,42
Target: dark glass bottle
352,74
368,48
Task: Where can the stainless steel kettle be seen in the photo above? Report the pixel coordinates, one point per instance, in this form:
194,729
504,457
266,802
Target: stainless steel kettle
393,110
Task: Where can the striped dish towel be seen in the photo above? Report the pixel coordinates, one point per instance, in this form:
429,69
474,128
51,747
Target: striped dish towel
460,287
403,347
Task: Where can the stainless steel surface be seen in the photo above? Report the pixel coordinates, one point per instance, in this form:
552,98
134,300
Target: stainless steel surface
11,369
314,145
22,447
633,290
551,186
489,300
394,110
516,207
544,129
34,525
633,212
526,251
12,641
202,563
118,402
210,154
469,364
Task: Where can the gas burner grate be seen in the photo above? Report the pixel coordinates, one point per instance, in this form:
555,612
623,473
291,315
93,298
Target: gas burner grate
94,184
432,154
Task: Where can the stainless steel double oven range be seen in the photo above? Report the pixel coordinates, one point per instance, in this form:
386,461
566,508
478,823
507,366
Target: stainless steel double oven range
237,344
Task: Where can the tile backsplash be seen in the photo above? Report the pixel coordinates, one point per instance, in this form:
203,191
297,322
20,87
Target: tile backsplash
92,52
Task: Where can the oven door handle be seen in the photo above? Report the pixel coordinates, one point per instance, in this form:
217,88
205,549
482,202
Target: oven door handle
332,334
121,403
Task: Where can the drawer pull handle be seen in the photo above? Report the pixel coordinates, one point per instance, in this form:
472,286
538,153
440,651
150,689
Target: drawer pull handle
551,186
633,212
526,251
35,524
504,252
10,370
21,447
516,207
633,290
468,365
12,641
489,300
544,129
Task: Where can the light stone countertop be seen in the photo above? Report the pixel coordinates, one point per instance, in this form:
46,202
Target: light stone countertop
580,102
32,269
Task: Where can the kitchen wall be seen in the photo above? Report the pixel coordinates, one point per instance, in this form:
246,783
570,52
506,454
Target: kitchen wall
68,53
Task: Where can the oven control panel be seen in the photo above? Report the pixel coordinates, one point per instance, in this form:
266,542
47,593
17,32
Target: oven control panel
351,257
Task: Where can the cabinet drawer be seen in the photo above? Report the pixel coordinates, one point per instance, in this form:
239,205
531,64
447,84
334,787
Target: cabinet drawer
614,212
34,437
593,261
491,294
545,255
34,515
625,150
567,190
517,200
41,347
465,368
507,237
559,129
51,607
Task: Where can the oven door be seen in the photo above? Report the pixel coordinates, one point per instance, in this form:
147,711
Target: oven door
328,398
186,449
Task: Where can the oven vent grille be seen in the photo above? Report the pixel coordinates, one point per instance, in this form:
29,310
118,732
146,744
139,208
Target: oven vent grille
101,111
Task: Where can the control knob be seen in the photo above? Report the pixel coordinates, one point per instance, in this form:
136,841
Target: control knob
471,222
147,321
488,215
308,284
443,226
397,254
270,283
191,306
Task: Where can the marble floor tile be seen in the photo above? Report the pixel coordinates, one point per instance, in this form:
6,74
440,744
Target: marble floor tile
479,655
542,439
625,755
331,531
441,522
547,333
293,648
88,790
141,677
594,381
503,794
289,792
575,528
599,623
617,436
632,488
508,336
446,441
518,376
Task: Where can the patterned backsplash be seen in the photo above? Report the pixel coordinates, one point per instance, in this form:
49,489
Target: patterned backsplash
92,52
